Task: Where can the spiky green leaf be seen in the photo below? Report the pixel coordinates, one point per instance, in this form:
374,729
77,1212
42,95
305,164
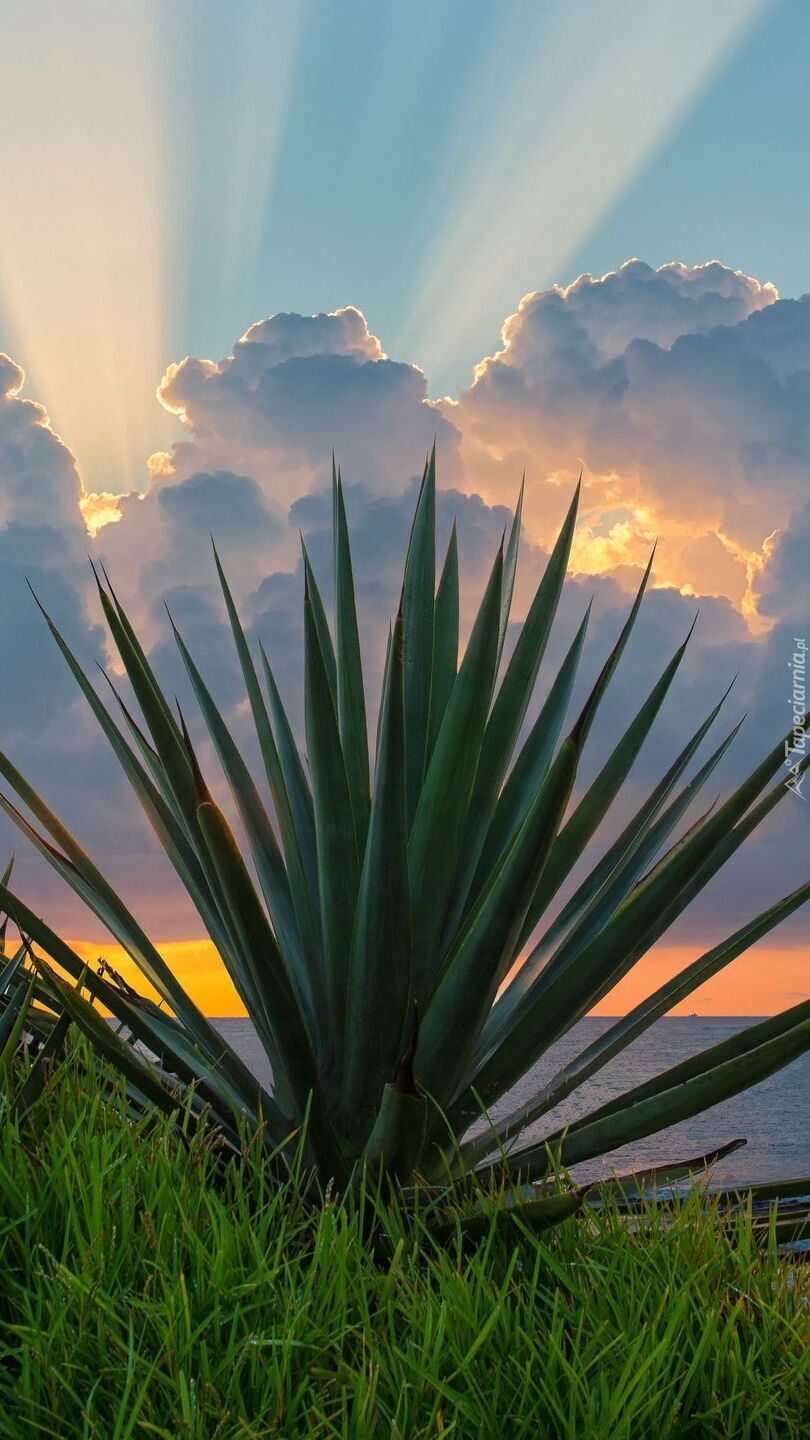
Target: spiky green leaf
417,631
336,839
445,640
380,971
351,705
438,826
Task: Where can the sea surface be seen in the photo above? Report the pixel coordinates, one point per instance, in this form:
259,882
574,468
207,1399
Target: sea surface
774,1116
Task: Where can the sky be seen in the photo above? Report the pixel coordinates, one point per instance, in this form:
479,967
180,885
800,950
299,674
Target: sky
235,237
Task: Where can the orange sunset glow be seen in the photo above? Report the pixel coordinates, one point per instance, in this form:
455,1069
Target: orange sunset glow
765,978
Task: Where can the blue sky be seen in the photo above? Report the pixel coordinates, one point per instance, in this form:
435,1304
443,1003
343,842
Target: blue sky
427,162
732,180
392,109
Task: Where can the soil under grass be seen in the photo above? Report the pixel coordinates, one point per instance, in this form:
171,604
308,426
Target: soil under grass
144,1293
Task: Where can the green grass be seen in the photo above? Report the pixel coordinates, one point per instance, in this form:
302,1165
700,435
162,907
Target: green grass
144,1294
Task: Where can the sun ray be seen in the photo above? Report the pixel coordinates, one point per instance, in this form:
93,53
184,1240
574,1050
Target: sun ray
82,262
135,178
535,168
232,93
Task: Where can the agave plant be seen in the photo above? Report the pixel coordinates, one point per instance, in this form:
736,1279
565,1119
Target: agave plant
373,920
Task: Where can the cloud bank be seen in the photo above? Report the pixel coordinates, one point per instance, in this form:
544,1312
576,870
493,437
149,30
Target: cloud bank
683,396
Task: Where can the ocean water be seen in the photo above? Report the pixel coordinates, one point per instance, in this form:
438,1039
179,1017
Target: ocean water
774,1116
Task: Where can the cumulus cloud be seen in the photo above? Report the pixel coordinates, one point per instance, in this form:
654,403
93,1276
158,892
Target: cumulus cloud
783,588
633,303
44,724
260,426
162,541
295,388
39,483
684,394
42,540
681,392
